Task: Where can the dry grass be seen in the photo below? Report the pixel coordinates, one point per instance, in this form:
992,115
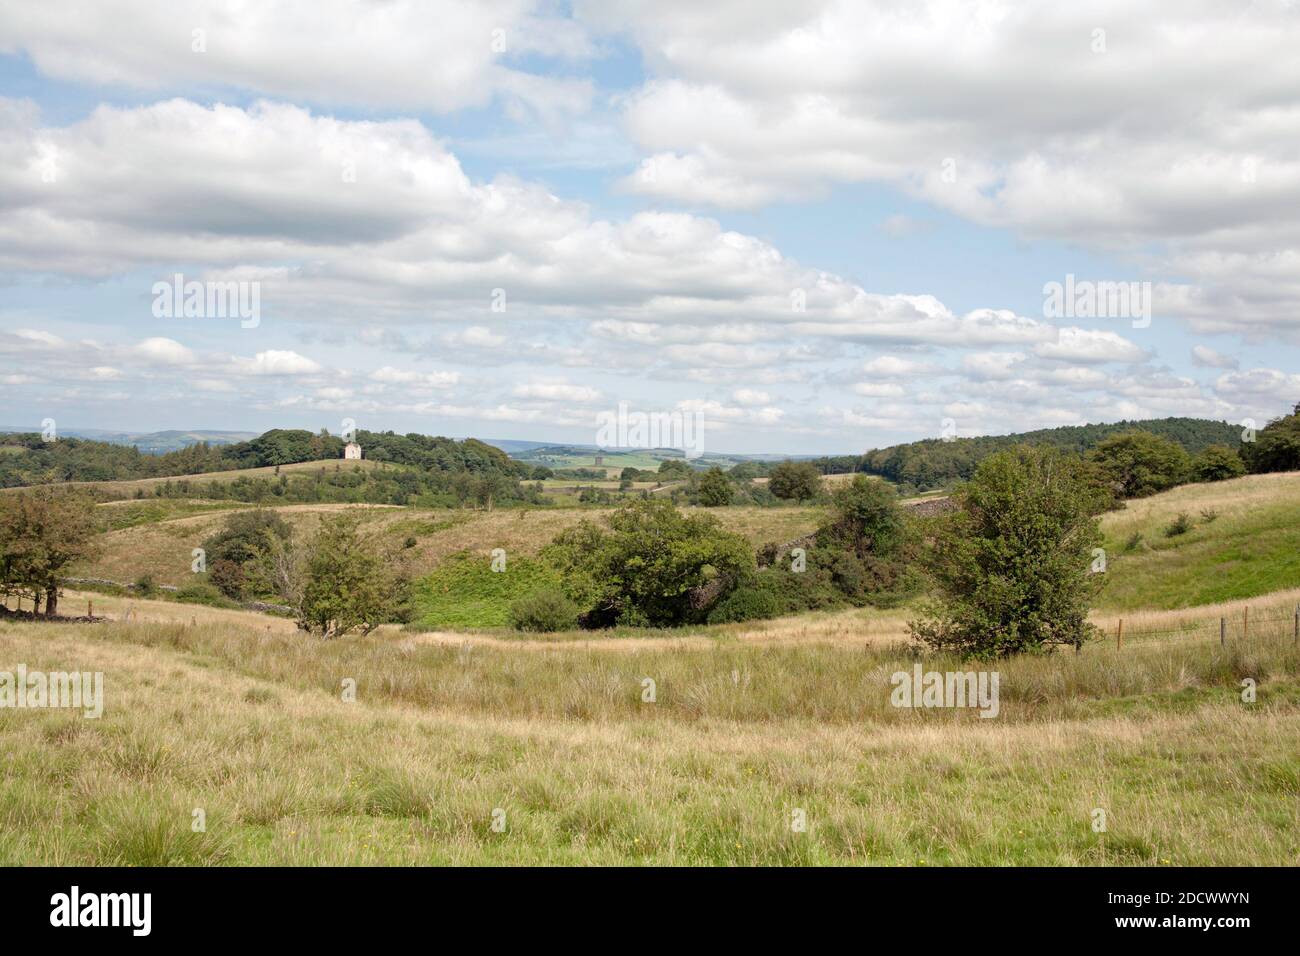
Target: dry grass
251,728
128,487
162,549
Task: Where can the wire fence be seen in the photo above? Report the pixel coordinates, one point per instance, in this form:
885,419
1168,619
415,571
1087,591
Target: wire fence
1225,628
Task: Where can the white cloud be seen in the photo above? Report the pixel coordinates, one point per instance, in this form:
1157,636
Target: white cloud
1090,345
449,56
751,396
164,352
277,362
1206,357
557,392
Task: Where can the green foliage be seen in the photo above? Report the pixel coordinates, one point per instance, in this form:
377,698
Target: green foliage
654,565
748,470
714,488
243,540
795,480
346,583
1012,564
460,472
674,469
1139,463
1217,463
745,604
1276,446
41,532
199,592
464,591
544,611
1180,525
934,463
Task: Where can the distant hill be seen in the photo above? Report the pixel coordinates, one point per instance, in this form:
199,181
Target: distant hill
151,443
935,463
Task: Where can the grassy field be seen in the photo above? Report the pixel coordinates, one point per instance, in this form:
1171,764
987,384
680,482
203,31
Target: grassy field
251,727
161,548
1244,541
128,487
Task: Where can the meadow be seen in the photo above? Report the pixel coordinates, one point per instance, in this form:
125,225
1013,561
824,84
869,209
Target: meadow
252,727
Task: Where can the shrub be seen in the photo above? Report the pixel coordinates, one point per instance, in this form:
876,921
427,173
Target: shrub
410,542
795,480
654,564
744,604
346,584
715,488
202,593
1209,515
228,577
1217,463
544,611
1180,525
145,585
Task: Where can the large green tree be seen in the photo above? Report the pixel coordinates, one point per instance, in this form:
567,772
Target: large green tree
1140,463
41,532
1276,446
1013,563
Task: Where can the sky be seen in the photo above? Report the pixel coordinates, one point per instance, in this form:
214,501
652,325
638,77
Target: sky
815,226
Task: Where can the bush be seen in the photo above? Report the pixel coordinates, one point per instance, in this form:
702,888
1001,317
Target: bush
1180,525
744,604
145,585
202,593
654,565
544,611
715,489
1217,463
795,480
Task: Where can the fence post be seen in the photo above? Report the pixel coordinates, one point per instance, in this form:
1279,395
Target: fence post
1223,631
1245,622
1119,634
1296,638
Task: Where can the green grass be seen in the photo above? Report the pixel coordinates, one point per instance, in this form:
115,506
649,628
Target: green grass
119,515
252,729
464,591
1249,548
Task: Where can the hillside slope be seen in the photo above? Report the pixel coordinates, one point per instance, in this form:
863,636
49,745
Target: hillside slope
1244,541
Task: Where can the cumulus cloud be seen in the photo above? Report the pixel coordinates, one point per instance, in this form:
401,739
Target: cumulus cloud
443,57
1206,357
1128,141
